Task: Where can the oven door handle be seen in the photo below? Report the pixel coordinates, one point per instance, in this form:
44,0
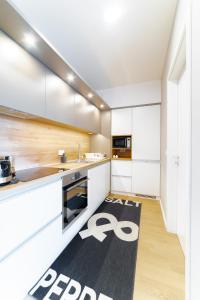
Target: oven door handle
77,184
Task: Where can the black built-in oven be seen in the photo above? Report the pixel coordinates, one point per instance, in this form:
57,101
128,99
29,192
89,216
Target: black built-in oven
75,198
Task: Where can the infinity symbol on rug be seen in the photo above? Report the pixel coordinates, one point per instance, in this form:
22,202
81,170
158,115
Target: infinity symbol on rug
97,231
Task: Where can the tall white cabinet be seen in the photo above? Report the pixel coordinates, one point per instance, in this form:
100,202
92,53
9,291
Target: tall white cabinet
146,132
141,175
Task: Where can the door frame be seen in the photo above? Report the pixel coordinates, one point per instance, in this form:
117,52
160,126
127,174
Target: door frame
175,72
177,67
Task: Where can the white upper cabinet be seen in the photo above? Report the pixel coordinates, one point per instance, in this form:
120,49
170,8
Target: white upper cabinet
22,79
122,121
146,132
60,99
87,116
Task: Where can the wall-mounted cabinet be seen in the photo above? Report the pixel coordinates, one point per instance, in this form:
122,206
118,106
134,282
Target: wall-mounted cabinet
60,100
87,116
121,121
22,79
30,87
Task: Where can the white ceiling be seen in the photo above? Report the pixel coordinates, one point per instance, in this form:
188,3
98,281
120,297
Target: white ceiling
108,42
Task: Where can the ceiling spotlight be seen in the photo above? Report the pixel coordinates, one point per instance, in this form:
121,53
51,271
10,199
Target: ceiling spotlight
70,77
101,106
29,40
90,95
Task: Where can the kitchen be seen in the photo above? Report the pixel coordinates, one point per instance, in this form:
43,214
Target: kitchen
95,151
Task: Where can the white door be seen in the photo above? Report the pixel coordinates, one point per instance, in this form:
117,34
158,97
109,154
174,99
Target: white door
146,132
183,158
121,121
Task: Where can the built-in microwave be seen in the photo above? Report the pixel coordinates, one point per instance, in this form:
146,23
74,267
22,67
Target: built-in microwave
121,142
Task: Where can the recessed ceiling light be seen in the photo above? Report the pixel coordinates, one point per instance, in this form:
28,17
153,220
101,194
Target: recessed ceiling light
29,40
90,95
101,106
70,77
112,14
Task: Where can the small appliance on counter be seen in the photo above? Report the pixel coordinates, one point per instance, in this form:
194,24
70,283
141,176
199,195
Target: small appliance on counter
5,170
63,157
94,156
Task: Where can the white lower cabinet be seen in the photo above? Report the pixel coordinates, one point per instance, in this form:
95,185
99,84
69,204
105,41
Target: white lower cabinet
23,215
31,231
137,177
22,269
98,184
98,189
121,168
122,184
121,180
146,178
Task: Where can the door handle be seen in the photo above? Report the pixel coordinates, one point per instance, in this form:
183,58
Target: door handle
77,184
176,160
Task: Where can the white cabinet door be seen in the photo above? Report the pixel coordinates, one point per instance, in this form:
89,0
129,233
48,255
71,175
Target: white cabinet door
146,132
121,121
22,78
87,116
22,269
146,178
107,178
121,168
121,184
23,215
98,185
60,100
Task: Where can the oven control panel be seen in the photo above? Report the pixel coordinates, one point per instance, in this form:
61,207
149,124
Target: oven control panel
71,178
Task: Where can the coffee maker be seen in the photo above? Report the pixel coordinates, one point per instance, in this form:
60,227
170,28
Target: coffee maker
5,170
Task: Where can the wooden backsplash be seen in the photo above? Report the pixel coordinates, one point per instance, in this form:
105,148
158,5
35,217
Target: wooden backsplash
34,143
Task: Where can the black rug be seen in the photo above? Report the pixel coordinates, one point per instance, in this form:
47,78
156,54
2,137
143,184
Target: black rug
99,263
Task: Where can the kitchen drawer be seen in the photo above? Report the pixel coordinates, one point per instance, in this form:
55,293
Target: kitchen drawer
121,168
20,271
122,184
23,215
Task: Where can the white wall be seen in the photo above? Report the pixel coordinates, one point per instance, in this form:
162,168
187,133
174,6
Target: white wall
178,29
134,94
195,164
